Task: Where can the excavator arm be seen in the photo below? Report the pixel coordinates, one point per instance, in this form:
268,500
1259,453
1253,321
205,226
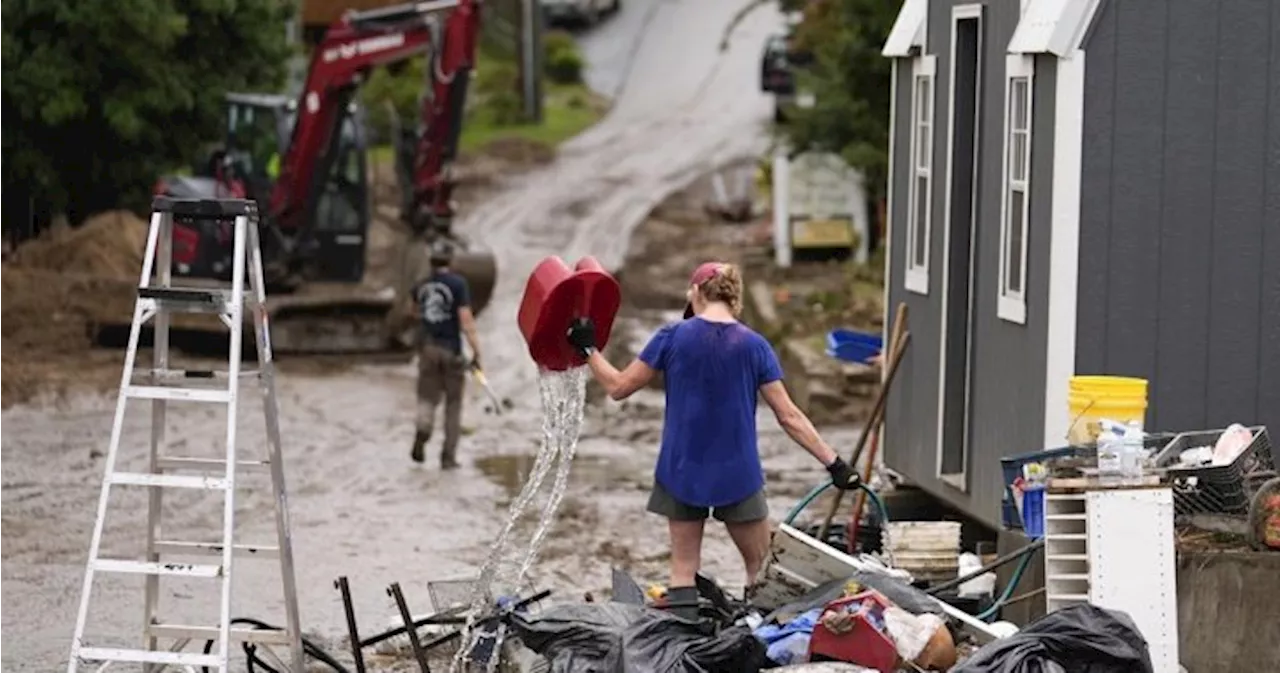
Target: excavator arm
352,47
449,72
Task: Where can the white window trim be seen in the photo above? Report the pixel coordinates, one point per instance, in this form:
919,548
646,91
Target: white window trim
1012,306
917,275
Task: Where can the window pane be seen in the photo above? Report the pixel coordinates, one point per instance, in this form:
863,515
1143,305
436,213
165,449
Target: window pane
1018,98
1016,231
1018,162
922,88
922,146
927,108
921,211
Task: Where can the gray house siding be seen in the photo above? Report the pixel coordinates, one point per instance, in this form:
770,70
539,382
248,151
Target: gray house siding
1008,360
913,399
1179,281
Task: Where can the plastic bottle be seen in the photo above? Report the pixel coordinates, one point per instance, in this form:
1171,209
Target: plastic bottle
1110,453
1132,454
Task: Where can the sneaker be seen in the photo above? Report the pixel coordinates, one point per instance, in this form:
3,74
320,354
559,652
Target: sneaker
448,464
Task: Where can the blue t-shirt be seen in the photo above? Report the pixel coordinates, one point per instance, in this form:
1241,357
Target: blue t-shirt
713,372
439,298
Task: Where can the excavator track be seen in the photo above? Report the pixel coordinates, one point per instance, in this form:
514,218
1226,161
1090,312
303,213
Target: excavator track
317,319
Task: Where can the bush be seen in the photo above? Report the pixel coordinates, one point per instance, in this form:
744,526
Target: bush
562,62
497,87
556,41
495,78
565,67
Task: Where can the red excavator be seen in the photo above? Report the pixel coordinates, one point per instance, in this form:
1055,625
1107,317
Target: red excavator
304,162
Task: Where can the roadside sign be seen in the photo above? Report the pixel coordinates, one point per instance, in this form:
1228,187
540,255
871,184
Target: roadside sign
823,197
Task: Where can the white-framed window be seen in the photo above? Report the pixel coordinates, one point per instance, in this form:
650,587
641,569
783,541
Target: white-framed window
1015,188
920,199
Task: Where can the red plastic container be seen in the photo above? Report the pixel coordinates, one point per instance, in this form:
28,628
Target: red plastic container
554,297
864,645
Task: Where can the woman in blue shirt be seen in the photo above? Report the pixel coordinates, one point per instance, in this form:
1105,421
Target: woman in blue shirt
709,463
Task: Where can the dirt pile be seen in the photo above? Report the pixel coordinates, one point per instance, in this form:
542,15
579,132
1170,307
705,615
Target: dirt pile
54,290
107,245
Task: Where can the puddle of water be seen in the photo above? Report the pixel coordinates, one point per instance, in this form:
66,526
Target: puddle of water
511,471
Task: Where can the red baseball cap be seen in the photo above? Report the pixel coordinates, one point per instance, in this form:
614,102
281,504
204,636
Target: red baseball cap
705,272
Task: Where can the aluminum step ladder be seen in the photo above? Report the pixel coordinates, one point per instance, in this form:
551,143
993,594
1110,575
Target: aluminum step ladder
163,384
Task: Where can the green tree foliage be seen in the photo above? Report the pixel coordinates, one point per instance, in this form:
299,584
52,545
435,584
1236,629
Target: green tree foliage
100,98
850,82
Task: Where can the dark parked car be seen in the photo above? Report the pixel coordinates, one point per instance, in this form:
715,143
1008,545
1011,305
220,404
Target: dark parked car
778,66
775,67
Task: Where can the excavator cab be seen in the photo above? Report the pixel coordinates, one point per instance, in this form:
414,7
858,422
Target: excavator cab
248,165
258,133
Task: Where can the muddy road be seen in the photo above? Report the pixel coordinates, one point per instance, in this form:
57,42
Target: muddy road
358,506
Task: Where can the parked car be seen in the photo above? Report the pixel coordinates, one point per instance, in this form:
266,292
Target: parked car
778,66
577,12
775,67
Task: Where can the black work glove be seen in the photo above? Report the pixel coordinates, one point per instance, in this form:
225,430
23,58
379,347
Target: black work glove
843,477
582,336
474,363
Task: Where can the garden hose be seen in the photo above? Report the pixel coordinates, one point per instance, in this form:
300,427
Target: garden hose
817,491
1027,552
990,612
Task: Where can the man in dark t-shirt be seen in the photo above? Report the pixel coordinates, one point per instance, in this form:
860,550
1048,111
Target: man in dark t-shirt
442,302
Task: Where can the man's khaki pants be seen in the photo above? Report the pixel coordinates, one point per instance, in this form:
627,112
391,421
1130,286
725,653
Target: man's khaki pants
441,373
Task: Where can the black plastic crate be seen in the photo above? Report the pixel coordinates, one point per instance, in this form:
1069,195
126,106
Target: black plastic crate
1217,489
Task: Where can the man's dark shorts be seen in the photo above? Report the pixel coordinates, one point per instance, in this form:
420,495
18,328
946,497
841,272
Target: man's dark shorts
754,508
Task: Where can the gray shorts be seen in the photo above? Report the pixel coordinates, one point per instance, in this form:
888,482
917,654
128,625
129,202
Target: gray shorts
754,508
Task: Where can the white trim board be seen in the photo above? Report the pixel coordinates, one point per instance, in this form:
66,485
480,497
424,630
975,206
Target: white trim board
958,480
1064,250
1052,26
910,30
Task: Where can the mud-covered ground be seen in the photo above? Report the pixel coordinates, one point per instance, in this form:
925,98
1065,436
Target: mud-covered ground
357,505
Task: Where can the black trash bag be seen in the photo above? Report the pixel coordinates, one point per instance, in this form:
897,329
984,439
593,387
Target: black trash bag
618,638
1078,639
899,592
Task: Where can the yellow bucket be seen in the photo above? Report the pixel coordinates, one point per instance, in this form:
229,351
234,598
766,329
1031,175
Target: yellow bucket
1093,398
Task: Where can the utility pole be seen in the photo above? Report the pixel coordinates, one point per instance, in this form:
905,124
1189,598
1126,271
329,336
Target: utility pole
530,43
293,37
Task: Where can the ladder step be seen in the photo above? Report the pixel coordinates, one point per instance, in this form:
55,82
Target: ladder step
168,480
186,300
146,568
155,377
178,394
148,657
215,549
241,635
210,465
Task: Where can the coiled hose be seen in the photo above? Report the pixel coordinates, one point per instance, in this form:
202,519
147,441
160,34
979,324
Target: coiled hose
817,491
985,615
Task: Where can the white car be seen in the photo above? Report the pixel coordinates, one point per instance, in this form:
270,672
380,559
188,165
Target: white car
587,12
